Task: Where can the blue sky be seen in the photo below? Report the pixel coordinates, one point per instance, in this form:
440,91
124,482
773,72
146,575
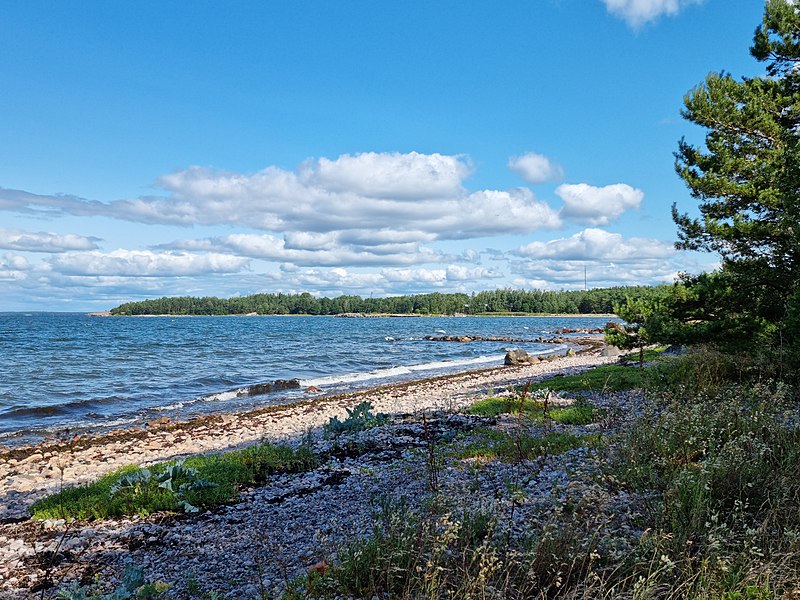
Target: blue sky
360,147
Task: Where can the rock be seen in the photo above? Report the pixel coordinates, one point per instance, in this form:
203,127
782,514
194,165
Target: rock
520,357
159,422
675,350
610,351
312,389
266,388
570,352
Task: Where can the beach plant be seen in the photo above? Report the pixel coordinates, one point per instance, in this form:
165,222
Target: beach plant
199,481
580,412
175,478
493,406
359,418
458,552
133,586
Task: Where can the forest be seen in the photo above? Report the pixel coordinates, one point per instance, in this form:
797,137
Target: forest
496,302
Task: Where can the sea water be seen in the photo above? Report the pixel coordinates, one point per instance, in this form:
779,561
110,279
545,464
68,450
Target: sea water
67,373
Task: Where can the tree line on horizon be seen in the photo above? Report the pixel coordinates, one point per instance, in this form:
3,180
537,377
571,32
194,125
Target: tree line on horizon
502,301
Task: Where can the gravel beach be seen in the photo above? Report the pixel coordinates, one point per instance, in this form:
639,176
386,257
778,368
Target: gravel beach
276,531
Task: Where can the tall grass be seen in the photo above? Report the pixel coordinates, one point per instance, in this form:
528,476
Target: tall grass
711,471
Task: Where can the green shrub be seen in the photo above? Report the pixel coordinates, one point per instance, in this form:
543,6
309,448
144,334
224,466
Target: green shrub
359,418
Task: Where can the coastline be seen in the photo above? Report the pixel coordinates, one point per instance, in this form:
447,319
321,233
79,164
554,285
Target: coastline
29,473
106,313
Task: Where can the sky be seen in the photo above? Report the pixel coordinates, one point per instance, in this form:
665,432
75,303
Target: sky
365,147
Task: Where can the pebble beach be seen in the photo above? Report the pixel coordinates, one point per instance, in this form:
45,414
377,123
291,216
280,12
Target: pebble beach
250,549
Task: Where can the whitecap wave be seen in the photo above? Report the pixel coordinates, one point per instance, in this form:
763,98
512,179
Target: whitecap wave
405,371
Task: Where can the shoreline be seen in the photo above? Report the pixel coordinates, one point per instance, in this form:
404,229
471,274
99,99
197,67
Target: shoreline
31,472
272,393
106,313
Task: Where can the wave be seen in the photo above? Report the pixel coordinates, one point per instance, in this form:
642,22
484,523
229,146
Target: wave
64,408
398,372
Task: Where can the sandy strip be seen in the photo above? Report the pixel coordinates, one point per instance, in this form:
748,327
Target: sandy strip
29,474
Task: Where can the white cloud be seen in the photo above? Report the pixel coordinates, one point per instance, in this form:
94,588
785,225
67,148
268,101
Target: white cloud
323,250
552,274
145,263
637,13
592,205
597,245
410,197
336,280
15,239
606,259
13,267
535,168
406,276
491,212
388,175
463,273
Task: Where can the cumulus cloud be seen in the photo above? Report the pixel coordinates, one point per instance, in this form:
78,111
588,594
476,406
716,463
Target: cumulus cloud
597,245
463,273
15,239
13,266
553,274
606,259
388,175
584,203
145,263
416,197
637,13
535,168
327,250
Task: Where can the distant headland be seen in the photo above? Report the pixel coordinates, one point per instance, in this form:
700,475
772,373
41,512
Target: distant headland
504,302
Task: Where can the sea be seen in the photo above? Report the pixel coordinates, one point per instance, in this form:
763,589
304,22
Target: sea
63,374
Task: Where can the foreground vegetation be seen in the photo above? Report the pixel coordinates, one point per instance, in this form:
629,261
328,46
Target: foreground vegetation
711,471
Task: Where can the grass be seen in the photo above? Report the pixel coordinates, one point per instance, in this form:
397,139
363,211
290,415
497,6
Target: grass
227,473
580,412
493,406
710,474
430,552
491,443
609,378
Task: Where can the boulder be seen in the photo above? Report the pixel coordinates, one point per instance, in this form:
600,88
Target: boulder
675,350
520,357
610,351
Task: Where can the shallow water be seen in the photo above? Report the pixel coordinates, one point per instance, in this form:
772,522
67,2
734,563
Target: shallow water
66,370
